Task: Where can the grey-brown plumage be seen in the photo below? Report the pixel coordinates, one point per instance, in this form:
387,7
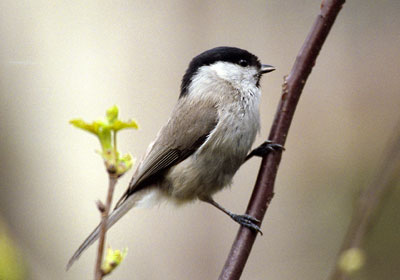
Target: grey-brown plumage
169,150
206,139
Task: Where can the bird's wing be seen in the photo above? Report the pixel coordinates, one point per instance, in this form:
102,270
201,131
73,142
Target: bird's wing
185,132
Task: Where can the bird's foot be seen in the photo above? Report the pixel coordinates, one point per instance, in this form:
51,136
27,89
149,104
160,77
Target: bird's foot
265,148
247,221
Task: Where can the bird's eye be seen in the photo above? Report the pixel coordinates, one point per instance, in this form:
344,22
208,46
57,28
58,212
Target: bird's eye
243,63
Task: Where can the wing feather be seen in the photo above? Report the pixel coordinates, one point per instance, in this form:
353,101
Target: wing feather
185,132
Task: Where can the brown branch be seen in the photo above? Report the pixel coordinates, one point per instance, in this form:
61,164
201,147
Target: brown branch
104,209
369,201
292,88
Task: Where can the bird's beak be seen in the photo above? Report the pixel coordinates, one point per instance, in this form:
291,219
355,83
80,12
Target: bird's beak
266,68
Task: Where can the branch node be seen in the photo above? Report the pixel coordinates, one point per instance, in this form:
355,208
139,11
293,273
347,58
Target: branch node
100,205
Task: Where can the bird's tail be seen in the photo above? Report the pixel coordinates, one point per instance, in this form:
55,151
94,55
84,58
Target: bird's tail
115,215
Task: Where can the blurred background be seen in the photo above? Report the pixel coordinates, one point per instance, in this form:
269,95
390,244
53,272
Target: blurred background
67,59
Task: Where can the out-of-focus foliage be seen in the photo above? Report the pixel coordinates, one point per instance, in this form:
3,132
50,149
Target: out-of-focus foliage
351,260
383,242
12,267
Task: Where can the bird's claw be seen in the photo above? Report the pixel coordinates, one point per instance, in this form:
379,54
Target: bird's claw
265,148
269,146
247,221
273,146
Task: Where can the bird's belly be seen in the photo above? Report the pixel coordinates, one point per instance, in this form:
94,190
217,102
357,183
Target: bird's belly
212,167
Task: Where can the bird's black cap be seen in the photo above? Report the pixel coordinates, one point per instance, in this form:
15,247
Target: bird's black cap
227,54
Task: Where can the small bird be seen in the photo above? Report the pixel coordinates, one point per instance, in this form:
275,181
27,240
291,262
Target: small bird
206,139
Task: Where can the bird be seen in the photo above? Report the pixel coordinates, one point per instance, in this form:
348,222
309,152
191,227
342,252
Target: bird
206,139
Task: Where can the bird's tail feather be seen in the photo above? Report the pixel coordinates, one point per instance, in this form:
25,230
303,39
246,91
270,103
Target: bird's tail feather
112,219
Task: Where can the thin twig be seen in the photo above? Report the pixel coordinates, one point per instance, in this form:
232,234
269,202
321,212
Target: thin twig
369,201
292,88
104,216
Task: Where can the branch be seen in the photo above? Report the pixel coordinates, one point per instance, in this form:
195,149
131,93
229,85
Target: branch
106,131
368,204
104,210
292,88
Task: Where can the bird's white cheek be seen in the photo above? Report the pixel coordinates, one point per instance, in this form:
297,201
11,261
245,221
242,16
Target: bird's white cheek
227,71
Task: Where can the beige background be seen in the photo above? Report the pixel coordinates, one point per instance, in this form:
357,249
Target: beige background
65,59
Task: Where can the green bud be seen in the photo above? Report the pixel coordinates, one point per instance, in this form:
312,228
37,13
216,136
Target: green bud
79,123
106,131
112,260
112,114
124,164
118,125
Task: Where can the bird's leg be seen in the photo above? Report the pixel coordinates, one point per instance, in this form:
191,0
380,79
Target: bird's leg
244,220
264,149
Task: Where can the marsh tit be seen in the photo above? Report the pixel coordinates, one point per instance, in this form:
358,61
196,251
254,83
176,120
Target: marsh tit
206,139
